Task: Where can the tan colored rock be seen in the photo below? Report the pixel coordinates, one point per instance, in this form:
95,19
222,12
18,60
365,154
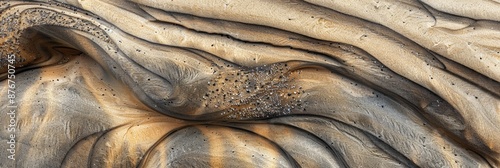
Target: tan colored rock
241,83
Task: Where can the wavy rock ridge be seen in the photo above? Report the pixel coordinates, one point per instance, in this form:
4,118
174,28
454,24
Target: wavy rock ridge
251,83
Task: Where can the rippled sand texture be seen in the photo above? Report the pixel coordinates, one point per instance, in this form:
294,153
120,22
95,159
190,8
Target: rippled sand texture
253,83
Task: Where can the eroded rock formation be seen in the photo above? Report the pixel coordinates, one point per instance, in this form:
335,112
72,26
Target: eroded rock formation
262,83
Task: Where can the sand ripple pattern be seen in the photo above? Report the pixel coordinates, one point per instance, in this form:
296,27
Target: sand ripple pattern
252,83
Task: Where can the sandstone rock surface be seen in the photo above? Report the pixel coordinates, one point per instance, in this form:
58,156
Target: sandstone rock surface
250,83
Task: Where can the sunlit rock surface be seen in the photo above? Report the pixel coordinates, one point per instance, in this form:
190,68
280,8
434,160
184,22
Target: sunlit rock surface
250,83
